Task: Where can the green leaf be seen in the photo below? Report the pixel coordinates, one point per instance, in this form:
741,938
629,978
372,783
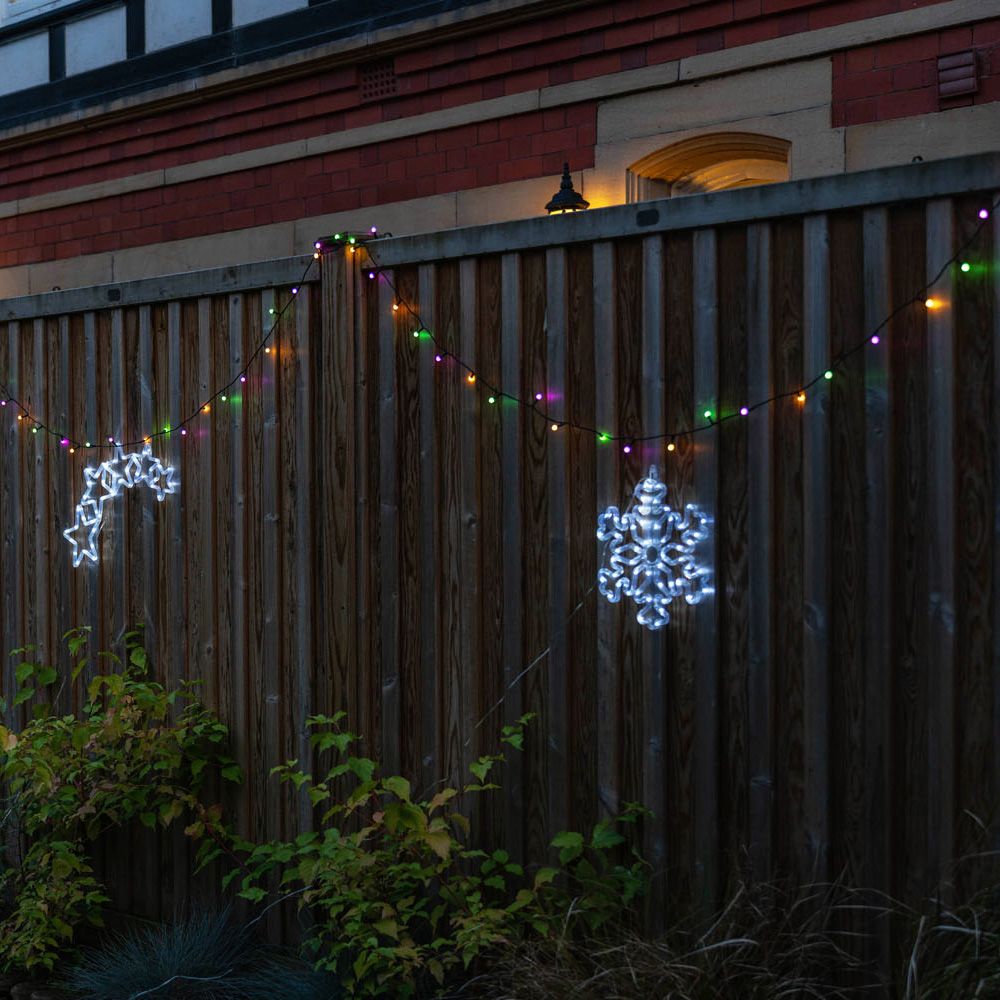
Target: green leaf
605,837
23,695
399,787
570,845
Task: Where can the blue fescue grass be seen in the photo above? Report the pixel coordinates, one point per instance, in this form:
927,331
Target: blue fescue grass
206,957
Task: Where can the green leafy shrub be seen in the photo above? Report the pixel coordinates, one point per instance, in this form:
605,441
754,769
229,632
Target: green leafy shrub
400,904
135,752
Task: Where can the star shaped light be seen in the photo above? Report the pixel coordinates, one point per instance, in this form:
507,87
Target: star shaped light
121,471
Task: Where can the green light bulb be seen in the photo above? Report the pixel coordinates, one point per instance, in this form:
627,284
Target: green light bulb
966,266
828,374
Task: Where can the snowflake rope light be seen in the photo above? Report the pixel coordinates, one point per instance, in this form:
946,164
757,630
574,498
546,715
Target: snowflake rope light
649,553
122,471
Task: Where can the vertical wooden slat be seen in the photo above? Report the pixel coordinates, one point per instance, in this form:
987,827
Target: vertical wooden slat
941,544
975,726
816,553
653,652
582,507
787,547
239,696
37,452
680,638
759,640
490,486
430,747
732,554
301,448
908,475
608,785
389,517
412,597
449,611
994,428
849,832
12,506
535,549
554,404
632,467
470,588
877,649
705,376
513,632
337,321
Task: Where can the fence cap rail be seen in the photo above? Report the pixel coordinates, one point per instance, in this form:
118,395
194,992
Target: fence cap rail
166,288
887,185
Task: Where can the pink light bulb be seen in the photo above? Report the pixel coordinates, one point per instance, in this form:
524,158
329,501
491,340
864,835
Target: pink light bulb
183,431
983,214
744,411
627,449
374,230
538,397
437,357
875,338
65,442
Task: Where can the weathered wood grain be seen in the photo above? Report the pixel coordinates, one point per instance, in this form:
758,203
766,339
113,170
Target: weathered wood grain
732,554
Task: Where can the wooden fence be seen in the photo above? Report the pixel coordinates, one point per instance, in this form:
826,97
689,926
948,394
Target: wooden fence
362,530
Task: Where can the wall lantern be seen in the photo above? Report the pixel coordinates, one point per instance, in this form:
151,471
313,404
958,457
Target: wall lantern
566,199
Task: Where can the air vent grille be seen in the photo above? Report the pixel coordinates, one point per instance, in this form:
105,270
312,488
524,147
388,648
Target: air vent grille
378,81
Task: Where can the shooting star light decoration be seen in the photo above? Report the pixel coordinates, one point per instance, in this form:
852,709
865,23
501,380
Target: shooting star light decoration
649,553
122,471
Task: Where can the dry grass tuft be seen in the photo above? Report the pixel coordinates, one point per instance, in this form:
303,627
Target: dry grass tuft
768,942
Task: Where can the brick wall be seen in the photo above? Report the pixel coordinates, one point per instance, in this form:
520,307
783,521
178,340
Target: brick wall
899,78
597,41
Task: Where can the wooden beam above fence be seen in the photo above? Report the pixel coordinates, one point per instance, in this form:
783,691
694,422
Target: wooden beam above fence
165,288
912,182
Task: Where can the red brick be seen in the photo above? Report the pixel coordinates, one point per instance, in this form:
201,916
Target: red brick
494,65
954,40
906,50
601,65
424,166
987,33
456,180
860,112
590,44
871,84
519,146
750,32
492,89
666,26
779,6
746,8
586,135
907,103
841,13
837,63
517,83
488,174
711,15
561,74
554,142
519,170
426,144
455,159
456,138
459,96
487,132
633,59
524,34
553,118
491,152
859,60
711,41
522,124
912,77
627,35
580,114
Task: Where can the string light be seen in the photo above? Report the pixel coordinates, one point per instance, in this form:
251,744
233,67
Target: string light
872,338
966,267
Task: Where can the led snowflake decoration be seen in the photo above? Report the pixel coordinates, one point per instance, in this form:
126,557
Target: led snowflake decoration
122,471
649,553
